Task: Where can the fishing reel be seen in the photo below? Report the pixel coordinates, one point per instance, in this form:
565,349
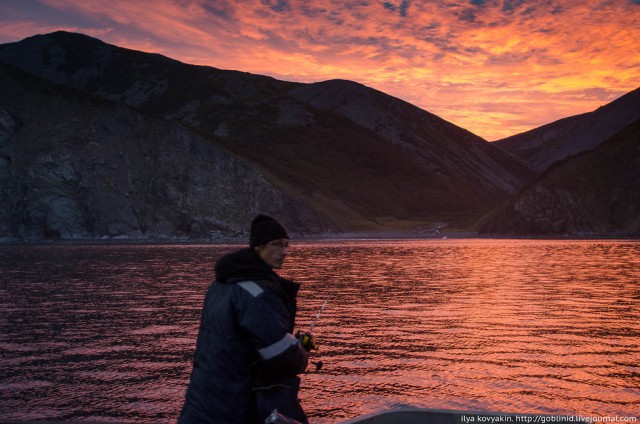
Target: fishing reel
307,341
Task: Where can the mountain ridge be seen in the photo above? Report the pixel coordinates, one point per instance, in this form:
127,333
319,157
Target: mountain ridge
357,174
332,156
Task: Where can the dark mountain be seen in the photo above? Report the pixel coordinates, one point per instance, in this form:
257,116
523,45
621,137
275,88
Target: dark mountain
594,194
349,155
74,166
567,137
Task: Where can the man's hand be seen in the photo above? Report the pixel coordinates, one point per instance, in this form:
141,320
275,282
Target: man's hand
307,341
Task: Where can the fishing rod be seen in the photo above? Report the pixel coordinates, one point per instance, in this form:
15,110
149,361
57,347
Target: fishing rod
315,320
319,364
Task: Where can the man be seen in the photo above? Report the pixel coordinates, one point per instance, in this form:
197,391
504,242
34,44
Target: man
247,359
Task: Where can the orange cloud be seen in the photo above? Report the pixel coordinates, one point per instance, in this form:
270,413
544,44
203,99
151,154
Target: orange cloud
494,67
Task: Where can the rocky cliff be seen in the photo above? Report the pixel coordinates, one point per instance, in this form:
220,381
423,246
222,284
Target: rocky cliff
73,166
347,156
593,194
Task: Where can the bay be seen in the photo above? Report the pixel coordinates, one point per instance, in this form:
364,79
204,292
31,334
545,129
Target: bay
106,333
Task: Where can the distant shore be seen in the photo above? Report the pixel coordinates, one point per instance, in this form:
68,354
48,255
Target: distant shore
390,235
241,238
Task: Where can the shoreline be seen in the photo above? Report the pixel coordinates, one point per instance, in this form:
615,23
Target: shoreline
390,235
346,236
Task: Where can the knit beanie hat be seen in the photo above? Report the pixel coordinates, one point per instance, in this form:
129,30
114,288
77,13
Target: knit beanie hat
264,229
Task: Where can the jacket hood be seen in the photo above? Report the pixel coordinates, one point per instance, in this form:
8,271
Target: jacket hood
242,265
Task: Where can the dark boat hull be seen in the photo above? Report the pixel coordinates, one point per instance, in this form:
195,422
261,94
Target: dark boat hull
436,416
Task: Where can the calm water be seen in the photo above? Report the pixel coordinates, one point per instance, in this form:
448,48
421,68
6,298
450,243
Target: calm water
106,333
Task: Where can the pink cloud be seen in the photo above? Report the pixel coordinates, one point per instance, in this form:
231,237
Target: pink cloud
493,67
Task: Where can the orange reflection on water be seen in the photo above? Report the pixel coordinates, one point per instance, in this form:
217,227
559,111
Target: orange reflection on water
512,326
107,332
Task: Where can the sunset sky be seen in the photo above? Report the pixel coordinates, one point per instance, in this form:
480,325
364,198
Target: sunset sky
494,67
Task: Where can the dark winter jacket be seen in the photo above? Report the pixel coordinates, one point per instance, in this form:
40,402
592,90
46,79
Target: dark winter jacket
245,340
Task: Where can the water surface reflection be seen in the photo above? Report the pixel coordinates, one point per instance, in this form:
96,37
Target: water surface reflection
106,333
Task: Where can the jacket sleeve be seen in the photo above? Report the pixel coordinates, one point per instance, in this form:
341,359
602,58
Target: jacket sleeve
264,316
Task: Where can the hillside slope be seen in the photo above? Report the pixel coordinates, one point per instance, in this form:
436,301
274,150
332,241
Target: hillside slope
73,166
594,194
567,137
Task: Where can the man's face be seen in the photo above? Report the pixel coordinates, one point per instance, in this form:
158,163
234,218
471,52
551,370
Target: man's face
274,252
